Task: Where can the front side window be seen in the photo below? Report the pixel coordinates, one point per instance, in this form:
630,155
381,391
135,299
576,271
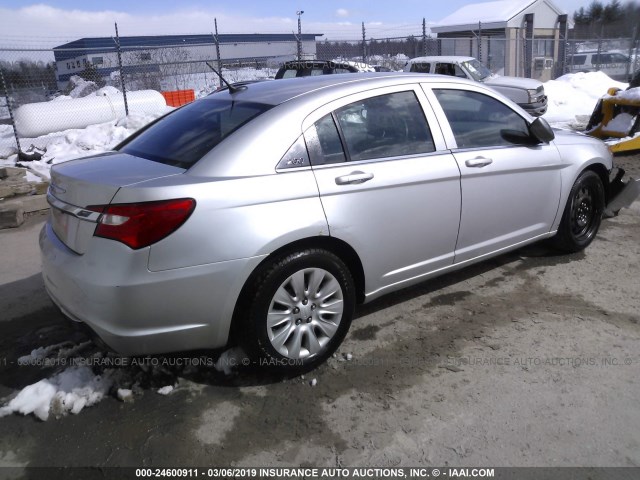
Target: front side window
187,134
477,70
478,120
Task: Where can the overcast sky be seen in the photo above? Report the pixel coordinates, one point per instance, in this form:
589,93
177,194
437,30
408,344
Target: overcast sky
50,23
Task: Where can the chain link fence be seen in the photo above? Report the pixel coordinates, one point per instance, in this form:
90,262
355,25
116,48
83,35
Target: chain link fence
47,92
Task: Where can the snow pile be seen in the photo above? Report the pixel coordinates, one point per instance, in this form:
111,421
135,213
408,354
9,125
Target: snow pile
77,143
69,391
621,124
165,390
125,395
575,95
64,350
81,87
633,94
108,90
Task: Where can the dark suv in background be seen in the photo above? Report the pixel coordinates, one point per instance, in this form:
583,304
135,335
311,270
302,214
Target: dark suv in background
308,68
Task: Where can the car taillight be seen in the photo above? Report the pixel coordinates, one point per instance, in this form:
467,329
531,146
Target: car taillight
138,225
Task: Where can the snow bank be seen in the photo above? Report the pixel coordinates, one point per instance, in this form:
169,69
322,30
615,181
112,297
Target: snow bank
77,143
81,87
576,94
69,391
621,124
166,390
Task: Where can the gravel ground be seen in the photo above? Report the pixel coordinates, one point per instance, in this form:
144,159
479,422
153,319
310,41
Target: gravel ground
529,359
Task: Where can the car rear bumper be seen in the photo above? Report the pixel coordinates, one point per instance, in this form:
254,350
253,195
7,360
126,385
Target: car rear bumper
536,109
138,312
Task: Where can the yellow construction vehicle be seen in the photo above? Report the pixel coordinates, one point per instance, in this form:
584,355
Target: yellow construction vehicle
617,115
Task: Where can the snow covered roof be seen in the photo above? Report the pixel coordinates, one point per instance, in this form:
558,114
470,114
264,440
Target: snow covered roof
498,14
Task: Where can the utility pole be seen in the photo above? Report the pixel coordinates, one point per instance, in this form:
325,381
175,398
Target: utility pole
299,13
364,45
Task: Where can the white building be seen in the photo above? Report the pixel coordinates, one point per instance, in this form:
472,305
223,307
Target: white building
168,54
523,38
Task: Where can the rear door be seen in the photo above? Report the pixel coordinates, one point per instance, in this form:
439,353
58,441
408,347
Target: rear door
510,191
388,186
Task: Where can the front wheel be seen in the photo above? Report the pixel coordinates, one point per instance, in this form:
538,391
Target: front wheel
301,310
582,214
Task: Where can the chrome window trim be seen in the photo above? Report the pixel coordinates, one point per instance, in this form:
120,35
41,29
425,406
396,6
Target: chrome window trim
72,210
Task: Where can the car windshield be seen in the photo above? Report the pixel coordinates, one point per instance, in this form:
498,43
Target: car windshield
186,135
478,71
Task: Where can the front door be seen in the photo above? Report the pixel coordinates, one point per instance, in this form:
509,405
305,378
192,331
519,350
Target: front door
510,191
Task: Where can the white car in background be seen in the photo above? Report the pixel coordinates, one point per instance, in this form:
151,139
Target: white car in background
526,92
616,65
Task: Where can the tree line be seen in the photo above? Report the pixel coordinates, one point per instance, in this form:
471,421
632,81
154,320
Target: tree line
611,20
28,74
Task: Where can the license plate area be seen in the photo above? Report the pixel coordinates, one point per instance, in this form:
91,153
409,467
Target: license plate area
66,228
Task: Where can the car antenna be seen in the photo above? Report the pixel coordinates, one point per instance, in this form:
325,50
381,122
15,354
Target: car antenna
231,88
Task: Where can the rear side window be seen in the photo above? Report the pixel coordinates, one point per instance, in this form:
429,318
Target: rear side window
186,135
578,59
420,67
385,126
378,127
323,142
479,120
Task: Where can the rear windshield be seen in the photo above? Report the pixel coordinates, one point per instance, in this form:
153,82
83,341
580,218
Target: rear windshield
186,135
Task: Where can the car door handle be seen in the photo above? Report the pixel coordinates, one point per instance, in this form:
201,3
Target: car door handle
478,162
354,178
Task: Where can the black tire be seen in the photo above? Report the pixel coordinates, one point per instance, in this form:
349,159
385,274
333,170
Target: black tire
582,214
313,321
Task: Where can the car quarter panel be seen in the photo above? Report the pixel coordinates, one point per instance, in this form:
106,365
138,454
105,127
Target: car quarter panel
234,217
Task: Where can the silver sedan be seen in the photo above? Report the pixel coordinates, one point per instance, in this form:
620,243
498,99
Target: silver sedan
263,214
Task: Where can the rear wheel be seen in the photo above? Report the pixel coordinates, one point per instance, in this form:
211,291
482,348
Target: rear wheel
301,310
582,214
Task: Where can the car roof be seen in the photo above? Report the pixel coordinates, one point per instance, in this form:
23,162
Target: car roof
441,58
281,91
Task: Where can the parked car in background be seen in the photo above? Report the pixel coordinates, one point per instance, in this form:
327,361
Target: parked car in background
526,92
263,215
616,65
309,68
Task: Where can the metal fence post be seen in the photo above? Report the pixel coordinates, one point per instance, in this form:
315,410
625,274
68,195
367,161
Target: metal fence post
215,39
632,45
424,37
364,45
562,46
480,41
13,121
124,88
299,37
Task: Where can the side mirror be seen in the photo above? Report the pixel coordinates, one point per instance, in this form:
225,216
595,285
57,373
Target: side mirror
541,130
518,138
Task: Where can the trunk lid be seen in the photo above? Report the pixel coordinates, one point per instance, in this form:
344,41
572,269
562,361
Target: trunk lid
78,184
